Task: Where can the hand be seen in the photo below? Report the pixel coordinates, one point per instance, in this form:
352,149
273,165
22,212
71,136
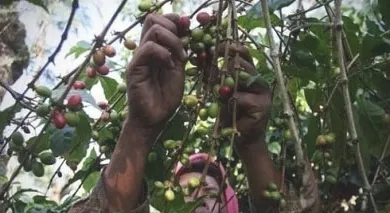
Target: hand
155,77
253,102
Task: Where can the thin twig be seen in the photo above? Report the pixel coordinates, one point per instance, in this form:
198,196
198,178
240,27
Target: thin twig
279,75
347,99
384,151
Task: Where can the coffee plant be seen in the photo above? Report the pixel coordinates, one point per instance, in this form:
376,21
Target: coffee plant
330,80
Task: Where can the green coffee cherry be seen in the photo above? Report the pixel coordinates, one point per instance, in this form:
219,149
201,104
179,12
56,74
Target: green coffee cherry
43,110
43,91
213,110
37,169
194,182
17,138
47,158
197,34
203,115
72,118
169,195
227,131
229,81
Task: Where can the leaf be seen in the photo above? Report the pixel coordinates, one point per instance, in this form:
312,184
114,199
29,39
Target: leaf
85,95
384,6
256,10
250,23
373,46
79,48
39,3
91,181
3,179
91,159
6,115
274,148
313,130
61,140
42,144
109,86
81,139
176,128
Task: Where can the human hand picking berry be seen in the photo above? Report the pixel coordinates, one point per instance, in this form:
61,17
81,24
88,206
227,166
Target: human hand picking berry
155,86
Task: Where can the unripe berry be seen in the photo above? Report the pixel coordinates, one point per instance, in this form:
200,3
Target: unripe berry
99,58
194,182
169,195
129,44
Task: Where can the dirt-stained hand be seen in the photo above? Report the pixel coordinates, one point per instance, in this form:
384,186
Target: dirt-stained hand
155,75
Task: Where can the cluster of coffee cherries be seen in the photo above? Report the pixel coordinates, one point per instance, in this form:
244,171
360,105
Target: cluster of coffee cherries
168,189
34,162
273,193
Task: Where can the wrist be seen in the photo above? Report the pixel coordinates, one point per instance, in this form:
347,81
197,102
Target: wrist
135,135
245,145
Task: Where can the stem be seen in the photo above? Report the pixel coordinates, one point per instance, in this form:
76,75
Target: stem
348,105
384,151
279,75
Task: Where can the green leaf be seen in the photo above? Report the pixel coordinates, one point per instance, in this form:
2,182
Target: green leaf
91,181
91,159
3,179
176,128
79,48
256,10
42,144
384,6
250,23
274,148
313,98
313,130
373,46
80,140
109,86
39,3
61,140
6,115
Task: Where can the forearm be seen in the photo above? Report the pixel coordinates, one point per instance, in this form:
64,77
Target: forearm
124,174
260,169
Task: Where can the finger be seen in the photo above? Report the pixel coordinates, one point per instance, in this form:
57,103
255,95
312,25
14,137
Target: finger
150,53
233,49
166,38
168,21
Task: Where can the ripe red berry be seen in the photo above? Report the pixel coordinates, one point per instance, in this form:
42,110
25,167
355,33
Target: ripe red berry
203,18
202,56
109,51
74,102
225,92
105,117
79,85
59,120
91,72
103,105
103,70
184,23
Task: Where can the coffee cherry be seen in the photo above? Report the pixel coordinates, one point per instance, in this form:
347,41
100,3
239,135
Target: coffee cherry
102,105
224,23
216,89
203,18
190,101
152,157
145,5
184,23
197,47
272,186
74,102
17,138
197,34
169,144
386,118
282,203
47,158
105,117
123,114
95,135
207,39
104,149
114,116
202,56
193,71
37,169
43,91
99,58
159,184
212,110
103,70
330,138
72,118
225,92
331,179
169,195
194,182
201,130
321,140
266,194
27,166
189,150
129,44
121,88
59,120
244,76
79,85
72,165
287,135
275,195
91,72
227,131
109,51
229,81
203,114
